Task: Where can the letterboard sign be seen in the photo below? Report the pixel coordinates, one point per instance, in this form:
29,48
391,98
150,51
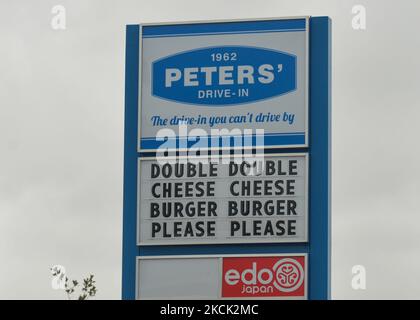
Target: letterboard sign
263,199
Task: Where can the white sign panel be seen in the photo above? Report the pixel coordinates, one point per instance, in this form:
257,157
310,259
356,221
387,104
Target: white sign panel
173,278
243,75
263,199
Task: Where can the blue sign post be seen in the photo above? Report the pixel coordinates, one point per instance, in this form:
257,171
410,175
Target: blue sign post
316,128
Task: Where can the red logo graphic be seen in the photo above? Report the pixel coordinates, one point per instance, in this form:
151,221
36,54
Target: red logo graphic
264,277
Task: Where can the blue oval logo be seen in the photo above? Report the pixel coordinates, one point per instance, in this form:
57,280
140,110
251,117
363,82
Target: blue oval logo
226,75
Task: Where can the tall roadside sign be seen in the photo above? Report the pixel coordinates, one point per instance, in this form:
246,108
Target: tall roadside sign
227,160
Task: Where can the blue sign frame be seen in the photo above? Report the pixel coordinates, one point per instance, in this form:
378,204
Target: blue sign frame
319,246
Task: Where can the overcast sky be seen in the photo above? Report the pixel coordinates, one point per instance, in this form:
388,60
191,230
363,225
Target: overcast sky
61,138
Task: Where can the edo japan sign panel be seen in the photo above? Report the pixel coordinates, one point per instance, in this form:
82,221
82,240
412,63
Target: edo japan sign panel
243,77
273,276
261,199
269,276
